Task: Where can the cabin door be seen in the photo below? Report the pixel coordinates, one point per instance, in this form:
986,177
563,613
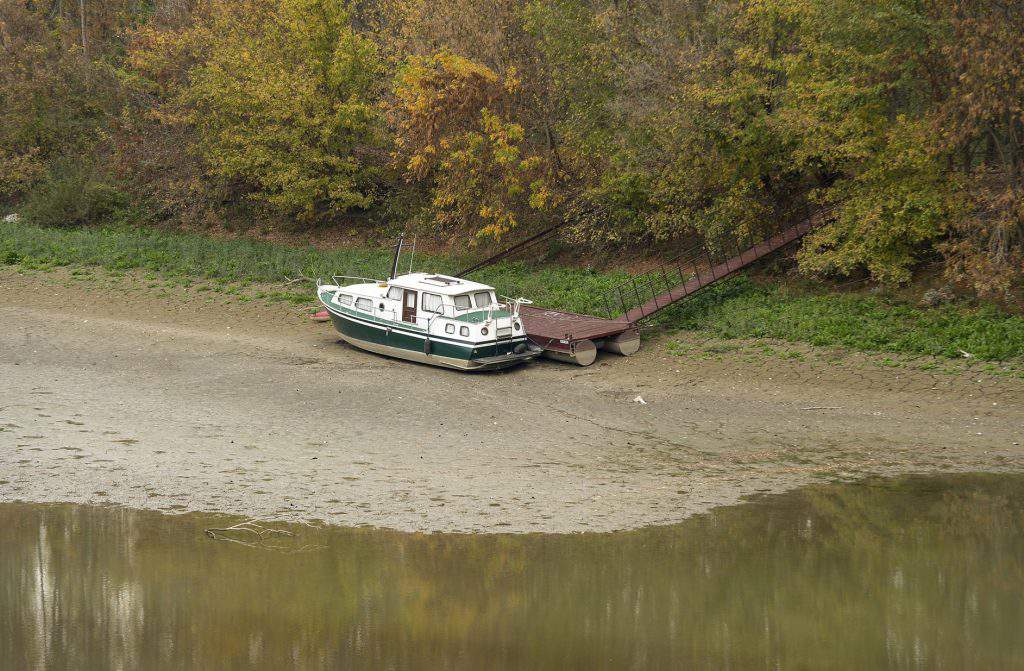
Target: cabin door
409,306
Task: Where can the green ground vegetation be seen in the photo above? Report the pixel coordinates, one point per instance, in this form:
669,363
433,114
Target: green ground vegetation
736,310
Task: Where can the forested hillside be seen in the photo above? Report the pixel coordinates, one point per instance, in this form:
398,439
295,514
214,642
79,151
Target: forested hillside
640,123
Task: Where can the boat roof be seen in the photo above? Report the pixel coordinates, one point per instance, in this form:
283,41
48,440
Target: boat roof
439,284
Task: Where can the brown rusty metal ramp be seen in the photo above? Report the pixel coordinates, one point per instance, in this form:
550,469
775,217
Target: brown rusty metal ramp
576,337
694,272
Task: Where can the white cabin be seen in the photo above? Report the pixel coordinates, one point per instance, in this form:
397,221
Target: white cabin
437,305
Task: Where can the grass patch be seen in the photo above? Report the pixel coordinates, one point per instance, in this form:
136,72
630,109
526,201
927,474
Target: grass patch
736,309
741,309
218,261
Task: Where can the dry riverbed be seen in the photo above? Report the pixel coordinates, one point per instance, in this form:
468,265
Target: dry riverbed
114,391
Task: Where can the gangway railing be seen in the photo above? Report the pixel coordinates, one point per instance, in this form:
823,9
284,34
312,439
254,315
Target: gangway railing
698,266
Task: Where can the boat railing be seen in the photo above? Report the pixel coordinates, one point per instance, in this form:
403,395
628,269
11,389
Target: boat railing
445,310
453,312
449,311
369,280
511,305
381,312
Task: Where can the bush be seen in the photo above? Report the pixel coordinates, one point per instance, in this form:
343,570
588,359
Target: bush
71,196
284,106
8,254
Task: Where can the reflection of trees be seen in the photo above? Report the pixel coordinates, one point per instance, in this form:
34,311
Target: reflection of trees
886,573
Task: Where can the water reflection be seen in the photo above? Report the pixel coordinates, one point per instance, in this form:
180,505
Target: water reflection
908,573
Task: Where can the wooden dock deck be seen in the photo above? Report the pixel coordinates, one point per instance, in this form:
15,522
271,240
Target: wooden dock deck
569,336
544,325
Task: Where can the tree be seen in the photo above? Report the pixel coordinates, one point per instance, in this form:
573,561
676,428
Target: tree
981,126
282,99
453,130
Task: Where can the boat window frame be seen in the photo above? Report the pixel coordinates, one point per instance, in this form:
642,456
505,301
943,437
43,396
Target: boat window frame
449,328
369,304
468,297
423,303
490,298
395,288
344,299
464,331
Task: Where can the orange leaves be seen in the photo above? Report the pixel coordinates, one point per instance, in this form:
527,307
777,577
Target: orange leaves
436,97
452,133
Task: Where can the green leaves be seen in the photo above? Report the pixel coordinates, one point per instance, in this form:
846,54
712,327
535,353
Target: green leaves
284,106
888,214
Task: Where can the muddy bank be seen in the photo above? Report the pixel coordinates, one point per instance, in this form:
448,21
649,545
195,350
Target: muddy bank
114,392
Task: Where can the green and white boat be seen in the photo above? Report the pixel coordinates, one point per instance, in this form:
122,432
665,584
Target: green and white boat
429,318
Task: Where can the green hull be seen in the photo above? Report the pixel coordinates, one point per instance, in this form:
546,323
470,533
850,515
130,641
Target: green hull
412,343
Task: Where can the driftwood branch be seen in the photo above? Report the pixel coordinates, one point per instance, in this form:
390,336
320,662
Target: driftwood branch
254,535
300,278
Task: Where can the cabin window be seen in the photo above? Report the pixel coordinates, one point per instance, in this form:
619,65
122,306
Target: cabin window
482,298
364,304
449,328
395,293
431,303
344,299
464,331
463,302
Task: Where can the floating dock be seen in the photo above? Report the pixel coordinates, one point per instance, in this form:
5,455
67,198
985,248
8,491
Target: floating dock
575,338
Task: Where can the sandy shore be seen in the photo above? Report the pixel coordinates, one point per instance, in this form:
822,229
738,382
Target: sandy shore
114,392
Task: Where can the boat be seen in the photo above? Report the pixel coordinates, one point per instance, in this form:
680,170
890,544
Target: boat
429,318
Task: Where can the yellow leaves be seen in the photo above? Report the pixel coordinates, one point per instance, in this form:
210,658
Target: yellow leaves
530,163
540,195
447,120
512,82
416,166
439,97
20,171
278,112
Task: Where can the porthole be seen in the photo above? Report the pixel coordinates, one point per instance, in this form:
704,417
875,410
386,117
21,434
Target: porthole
449,328
484,331
464,331
515,325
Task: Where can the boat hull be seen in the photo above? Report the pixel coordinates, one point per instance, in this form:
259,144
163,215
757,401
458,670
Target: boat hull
381,338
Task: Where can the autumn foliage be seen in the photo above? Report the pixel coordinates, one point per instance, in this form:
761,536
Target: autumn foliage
453,134
635,123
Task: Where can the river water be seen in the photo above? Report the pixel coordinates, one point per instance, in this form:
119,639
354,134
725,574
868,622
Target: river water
908,573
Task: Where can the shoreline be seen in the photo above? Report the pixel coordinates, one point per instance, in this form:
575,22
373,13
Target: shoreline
127,394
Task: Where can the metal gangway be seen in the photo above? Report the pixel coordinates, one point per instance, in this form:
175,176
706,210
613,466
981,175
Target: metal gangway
576,337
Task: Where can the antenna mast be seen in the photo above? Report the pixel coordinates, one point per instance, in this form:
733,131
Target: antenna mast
398,252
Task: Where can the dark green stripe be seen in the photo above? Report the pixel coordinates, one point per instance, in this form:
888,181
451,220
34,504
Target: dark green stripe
399,340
